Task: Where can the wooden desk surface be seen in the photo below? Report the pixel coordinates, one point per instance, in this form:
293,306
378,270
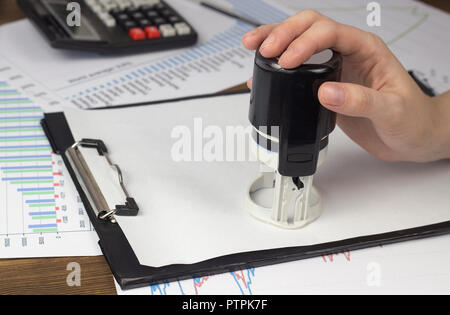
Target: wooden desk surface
48,275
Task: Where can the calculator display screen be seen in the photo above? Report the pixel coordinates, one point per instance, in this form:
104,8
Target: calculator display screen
84,31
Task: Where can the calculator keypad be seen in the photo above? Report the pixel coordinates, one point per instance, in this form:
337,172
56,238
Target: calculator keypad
141,19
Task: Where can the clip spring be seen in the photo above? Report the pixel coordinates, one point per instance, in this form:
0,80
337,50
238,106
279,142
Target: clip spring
90,186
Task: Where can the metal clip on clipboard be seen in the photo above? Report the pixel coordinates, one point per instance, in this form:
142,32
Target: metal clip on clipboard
90,186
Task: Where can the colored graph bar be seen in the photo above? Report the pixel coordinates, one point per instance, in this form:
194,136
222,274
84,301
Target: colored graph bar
25,160
24,139
45,230
26,156
20,100
42,205
36,189
9,93
6,102
29,171
13,137
20,130
25,182
21,111
42,213
18,127
42,226
24,150
25,146
34,193
28,178
6,168
39,201
25,120
48,217
9,108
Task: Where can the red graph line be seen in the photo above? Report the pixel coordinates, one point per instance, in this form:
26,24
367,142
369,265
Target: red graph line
241,277
198,283
332,256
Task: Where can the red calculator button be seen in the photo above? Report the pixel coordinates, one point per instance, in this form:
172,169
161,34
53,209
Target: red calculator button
137,33
152,32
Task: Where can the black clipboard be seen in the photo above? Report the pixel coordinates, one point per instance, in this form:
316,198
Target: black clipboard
129,273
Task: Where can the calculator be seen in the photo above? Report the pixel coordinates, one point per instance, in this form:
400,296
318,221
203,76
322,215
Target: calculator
111,26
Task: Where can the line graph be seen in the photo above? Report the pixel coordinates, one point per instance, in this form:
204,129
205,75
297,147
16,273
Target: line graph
244,282
240,282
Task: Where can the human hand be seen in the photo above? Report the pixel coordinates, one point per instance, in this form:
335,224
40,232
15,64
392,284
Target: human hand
379,106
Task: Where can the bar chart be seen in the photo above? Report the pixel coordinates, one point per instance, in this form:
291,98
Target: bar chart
39,207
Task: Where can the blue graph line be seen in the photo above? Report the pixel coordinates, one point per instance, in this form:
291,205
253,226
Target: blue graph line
157,288
181,288
250,276
248,280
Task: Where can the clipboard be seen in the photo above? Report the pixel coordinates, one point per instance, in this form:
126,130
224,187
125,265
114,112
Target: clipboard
120,255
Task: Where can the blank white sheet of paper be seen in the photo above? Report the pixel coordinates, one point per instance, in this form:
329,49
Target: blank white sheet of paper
193,211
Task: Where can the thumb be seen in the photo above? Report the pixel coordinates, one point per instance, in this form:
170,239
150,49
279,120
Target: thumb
356,100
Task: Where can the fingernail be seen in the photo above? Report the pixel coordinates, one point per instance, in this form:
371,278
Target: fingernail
289,52
333,95
287,55
269,41
250,34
